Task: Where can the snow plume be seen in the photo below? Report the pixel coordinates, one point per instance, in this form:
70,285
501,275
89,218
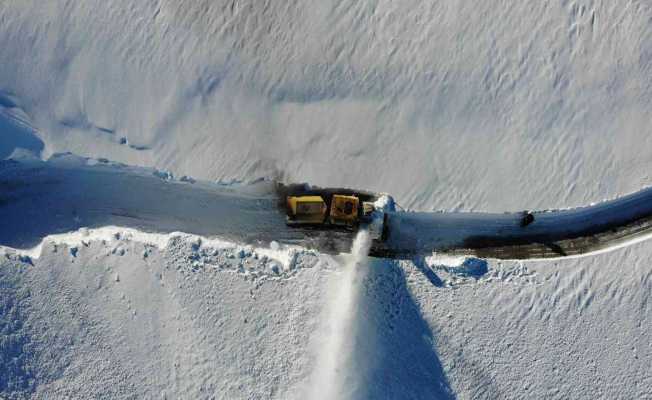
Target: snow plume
337,373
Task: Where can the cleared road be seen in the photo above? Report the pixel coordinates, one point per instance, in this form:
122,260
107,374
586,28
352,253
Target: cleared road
66,193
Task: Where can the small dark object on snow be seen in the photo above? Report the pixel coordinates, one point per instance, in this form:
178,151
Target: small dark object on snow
527,218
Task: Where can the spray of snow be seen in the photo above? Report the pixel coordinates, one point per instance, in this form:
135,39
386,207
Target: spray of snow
336,376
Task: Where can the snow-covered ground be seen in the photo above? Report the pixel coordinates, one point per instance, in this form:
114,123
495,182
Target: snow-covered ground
484,106
127,315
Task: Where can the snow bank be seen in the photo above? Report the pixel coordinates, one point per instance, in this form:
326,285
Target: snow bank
277,259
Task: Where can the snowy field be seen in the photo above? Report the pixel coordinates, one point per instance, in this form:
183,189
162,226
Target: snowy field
474,106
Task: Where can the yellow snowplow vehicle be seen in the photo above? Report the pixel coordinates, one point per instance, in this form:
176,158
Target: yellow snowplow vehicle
306,210
330,208
344,210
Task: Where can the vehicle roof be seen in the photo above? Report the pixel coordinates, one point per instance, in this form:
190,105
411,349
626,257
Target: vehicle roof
308,199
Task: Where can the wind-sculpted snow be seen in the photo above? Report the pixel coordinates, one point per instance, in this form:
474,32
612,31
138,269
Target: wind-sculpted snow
124,318
469,100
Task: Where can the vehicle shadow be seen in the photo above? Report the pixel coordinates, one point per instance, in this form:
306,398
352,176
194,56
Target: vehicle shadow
392,342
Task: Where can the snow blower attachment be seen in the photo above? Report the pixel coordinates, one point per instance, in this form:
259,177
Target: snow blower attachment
322,209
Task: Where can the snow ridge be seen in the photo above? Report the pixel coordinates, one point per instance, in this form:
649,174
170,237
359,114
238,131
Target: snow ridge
275,261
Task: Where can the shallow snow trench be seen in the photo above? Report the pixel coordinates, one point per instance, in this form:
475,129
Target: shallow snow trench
335,375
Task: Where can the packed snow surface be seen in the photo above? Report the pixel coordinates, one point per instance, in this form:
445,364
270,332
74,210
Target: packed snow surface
482,106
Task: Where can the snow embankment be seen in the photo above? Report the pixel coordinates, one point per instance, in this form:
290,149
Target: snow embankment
275,261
